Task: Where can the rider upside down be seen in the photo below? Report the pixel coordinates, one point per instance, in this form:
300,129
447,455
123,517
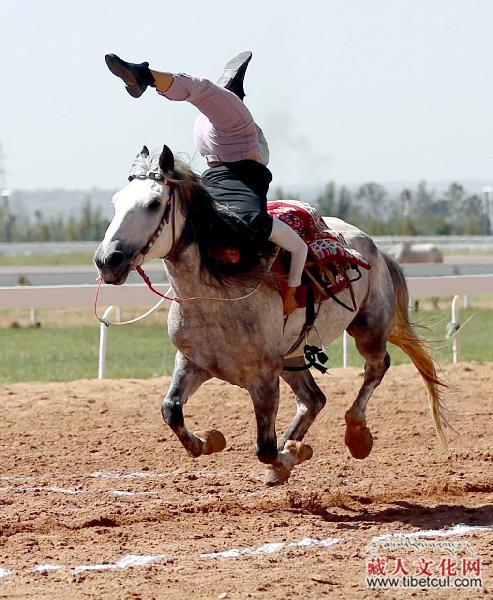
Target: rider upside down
236,153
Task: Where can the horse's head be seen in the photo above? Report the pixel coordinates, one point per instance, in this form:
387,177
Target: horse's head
144,222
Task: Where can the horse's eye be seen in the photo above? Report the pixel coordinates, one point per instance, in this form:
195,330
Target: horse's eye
154,205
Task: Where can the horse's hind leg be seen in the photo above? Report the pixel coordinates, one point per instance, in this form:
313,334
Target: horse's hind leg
187,378
309,402
371,341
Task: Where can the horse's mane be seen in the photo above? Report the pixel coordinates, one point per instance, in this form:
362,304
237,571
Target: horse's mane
212,228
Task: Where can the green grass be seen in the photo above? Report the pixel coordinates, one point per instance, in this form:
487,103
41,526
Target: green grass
67,353
48,260
142,351
476,338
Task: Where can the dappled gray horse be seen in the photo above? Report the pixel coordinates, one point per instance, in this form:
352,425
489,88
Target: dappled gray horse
409,252
235,330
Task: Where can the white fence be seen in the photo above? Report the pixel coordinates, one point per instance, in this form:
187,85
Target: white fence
82,296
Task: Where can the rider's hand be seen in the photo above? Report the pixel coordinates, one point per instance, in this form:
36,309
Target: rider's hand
289,300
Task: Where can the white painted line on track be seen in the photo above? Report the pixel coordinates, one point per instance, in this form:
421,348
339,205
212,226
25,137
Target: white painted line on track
271,548
130,475
159,474
135,475
58,490
136,560
125,562
141,560
459,529
46,568
126,493
53,488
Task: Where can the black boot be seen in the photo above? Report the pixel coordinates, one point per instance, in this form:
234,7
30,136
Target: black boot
136,76
234,73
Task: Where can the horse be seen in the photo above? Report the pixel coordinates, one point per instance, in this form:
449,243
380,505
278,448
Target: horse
407,252
234,329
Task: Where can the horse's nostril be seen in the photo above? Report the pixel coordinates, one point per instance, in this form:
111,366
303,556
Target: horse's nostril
115,259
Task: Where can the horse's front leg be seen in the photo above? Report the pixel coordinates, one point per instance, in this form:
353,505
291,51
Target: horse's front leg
309,401
265,396
187,378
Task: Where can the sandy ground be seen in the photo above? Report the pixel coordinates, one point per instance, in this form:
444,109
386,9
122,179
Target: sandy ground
89,475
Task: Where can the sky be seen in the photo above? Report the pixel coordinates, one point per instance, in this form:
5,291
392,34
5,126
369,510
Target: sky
345,90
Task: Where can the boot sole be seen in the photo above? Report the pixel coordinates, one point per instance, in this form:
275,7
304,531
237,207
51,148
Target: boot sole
233,66
118,68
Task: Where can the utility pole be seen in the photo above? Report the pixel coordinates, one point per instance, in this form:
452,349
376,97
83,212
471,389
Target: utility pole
488,211
6,194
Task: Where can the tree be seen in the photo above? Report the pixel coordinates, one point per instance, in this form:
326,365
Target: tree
326,202
372,196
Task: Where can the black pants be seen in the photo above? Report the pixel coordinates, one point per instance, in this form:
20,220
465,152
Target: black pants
242,188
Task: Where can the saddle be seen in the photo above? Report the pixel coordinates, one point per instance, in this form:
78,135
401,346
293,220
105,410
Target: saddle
329,259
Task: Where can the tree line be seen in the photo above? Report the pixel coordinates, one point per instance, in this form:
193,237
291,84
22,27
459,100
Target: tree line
370,207
88,225
421,211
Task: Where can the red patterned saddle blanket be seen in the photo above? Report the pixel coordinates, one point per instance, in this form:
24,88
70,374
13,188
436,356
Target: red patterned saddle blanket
329,257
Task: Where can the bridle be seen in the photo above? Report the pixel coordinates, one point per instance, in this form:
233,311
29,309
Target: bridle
169,212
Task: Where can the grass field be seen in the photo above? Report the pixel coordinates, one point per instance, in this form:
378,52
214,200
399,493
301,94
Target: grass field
52,353
47,260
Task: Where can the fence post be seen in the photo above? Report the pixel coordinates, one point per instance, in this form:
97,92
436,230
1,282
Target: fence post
455,311
103,334
34,317
345,350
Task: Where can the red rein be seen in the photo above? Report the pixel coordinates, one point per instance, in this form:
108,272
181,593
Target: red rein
145,277
140,271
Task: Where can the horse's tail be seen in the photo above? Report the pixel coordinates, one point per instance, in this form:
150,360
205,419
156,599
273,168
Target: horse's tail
405,336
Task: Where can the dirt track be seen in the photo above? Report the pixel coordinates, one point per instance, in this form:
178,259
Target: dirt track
90,474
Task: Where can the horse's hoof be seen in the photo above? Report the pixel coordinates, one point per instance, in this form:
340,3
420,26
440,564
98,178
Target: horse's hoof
195,447
300,451
359,440
213,441
276,476
293,454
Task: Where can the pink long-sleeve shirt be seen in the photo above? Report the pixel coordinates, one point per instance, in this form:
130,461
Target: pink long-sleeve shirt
225,130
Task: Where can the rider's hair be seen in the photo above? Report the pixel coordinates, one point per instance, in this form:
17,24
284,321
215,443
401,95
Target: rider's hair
213,229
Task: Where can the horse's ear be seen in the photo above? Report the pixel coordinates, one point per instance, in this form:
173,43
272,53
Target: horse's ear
144,153
166,160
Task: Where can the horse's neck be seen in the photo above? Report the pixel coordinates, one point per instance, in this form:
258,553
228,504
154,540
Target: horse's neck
184,274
